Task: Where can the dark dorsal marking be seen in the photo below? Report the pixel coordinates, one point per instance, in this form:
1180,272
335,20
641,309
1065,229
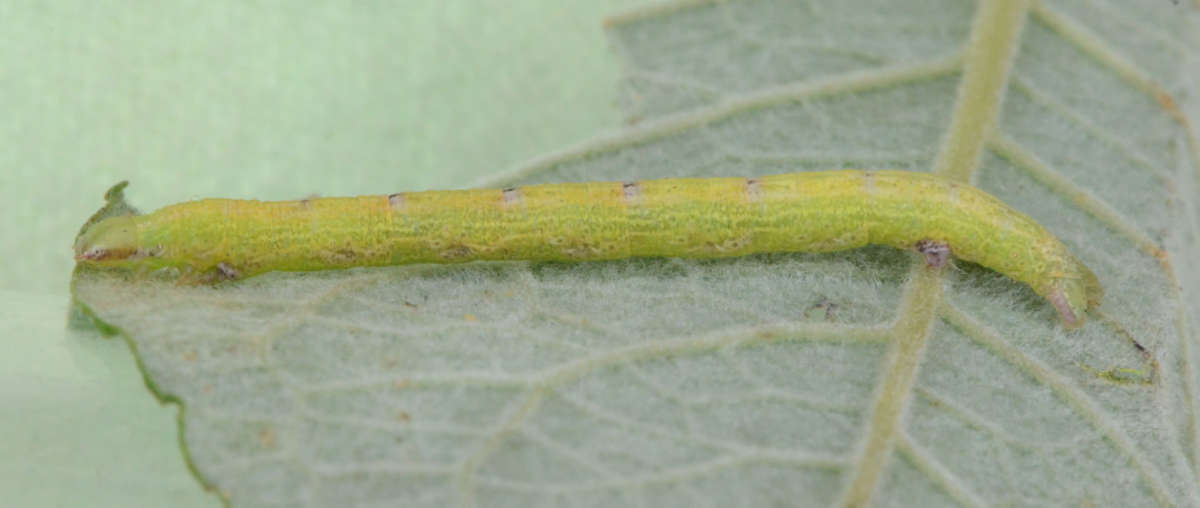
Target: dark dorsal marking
632,192
512,196
754,191
396,200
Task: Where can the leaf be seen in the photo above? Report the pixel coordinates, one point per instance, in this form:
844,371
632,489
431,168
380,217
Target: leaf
848,378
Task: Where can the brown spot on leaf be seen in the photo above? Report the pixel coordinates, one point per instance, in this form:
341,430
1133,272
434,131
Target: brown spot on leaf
824,304
266,437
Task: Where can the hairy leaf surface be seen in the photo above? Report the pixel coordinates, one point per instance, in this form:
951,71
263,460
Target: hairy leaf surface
841,379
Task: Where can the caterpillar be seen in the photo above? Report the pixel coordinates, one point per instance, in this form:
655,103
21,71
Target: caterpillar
215,239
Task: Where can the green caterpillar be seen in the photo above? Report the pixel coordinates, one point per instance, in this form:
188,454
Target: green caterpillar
680,217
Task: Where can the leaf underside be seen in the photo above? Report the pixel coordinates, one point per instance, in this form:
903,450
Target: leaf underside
793,379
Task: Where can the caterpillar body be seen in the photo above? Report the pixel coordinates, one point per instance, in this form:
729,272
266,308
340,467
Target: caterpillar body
677,217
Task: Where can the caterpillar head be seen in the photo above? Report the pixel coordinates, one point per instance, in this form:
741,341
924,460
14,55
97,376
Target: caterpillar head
1073,296
111,240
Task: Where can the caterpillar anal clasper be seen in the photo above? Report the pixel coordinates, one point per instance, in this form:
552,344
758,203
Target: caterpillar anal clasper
680,217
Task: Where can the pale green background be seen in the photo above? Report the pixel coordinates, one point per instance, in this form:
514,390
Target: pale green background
271,100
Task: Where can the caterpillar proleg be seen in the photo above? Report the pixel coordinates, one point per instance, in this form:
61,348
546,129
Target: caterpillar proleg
678,217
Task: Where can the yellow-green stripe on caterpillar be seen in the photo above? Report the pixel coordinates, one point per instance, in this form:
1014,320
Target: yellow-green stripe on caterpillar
677,217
